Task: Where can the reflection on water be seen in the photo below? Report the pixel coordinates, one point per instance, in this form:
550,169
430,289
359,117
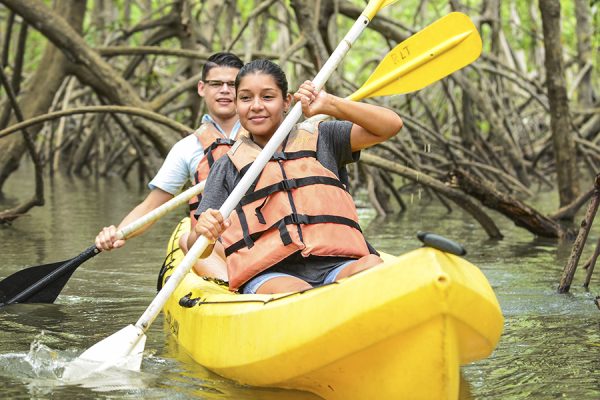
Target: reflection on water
550,347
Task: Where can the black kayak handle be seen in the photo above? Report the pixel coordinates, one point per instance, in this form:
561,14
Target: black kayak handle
441,243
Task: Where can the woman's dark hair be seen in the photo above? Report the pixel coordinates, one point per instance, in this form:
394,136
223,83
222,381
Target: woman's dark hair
267,67
221,60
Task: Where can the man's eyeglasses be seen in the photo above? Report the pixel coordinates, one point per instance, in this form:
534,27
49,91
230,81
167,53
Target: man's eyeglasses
217,84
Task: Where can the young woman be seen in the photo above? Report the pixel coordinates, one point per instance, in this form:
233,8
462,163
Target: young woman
297,226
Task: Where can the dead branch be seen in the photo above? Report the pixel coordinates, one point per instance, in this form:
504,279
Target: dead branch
586,224
458,197
521,214
150,115
590,264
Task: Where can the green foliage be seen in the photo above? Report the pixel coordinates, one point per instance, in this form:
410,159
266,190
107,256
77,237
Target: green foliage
522,33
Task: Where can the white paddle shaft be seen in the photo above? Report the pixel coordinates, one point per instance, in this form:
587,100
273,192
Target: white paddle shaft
242,187
158,212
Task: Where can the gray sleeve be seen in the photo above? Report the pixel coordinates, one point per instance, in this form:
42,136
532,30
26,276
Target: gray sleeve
334,137
219,184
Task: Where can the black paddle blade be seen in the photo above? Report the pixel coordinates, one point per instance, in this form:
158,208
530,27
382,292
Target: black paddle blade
42,283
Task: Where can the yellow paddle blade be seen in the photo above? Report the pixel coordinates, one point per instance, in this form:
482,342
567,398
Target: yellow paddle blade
443,47
374,6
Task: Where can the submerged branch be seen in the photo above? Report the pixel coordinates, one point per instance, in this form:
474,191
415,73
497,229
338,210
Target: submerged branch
38,196
521,214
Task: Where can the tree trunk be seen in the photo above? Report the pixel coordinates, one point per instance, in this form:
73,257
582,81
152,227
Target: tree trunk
87,65
305,16
39,90
187,38
584,31
560,121
491,15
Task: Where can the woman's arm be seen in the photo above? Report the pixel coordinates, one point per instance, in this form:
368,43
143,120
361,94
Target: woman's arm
372,124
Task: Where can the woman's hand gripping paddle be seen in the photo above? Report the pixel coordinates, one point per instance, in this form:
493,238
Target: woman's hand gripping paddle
125,347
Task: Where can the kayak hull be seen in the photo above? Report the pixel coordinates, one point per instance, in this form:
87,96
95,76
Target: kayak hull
399,330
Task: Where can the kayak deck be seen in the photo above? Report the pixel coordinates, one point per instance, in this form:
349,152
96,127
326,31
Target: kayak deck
398,330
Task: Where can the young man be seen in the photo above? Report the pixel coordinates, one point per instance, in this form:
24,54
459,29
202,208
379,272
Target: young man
187,159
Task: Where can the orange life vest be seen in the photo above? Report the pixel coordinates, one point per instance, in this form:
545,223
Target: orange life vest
215,145
295,205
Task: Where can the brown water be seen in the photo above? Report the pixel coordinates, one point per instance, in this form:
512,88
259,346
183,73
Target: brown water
550,347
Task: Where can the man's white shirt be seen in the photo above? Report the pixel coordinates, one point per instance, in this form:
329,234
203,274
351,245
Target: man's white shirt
180,165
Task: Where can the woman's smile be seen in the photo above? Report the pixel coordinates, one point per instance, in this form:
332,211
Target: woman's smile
258,119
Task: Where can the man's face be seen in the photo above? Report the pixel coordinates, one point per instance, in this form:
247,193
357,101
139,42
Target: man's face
219,92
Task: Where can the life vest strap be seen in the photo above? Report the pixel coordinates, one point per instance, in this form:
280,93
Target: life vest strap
289,184
195,202
194,205
292,155
281,225
248,241
218,142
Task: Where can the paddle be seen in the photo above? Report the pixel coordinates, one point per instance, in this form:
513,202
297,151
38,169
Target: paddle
43,283
124,348
429,55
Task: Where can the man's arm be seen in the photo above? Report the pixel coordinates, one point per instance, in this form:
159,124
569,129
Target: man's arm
215,193
107,240
169,180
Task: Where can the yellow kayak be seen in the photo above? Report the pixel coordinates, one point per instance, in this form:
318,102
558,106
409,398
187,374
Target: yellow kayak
400,330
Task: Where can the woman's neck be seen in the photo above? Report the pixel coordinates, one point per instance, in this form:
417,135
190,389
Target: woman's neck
261,141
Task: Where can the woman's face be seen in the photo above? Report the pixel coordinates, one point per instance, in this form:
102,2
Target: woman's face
261,106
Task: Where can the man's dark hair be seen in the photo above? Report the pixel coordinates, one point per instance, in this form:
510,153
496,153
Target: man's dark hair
221,60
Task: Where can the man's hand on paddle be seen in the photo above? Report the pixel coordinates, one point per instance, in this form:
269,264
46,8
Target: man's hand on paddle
107,239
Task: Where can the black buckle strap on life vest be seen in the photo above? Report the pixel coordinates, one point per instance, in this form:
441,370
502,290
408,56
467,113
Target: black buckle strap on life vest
283,156
278,156
247,240
240,244
293,155
289,184
194,206
295,219
284,233
218,142
291,200
243,172
302,219
258,212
